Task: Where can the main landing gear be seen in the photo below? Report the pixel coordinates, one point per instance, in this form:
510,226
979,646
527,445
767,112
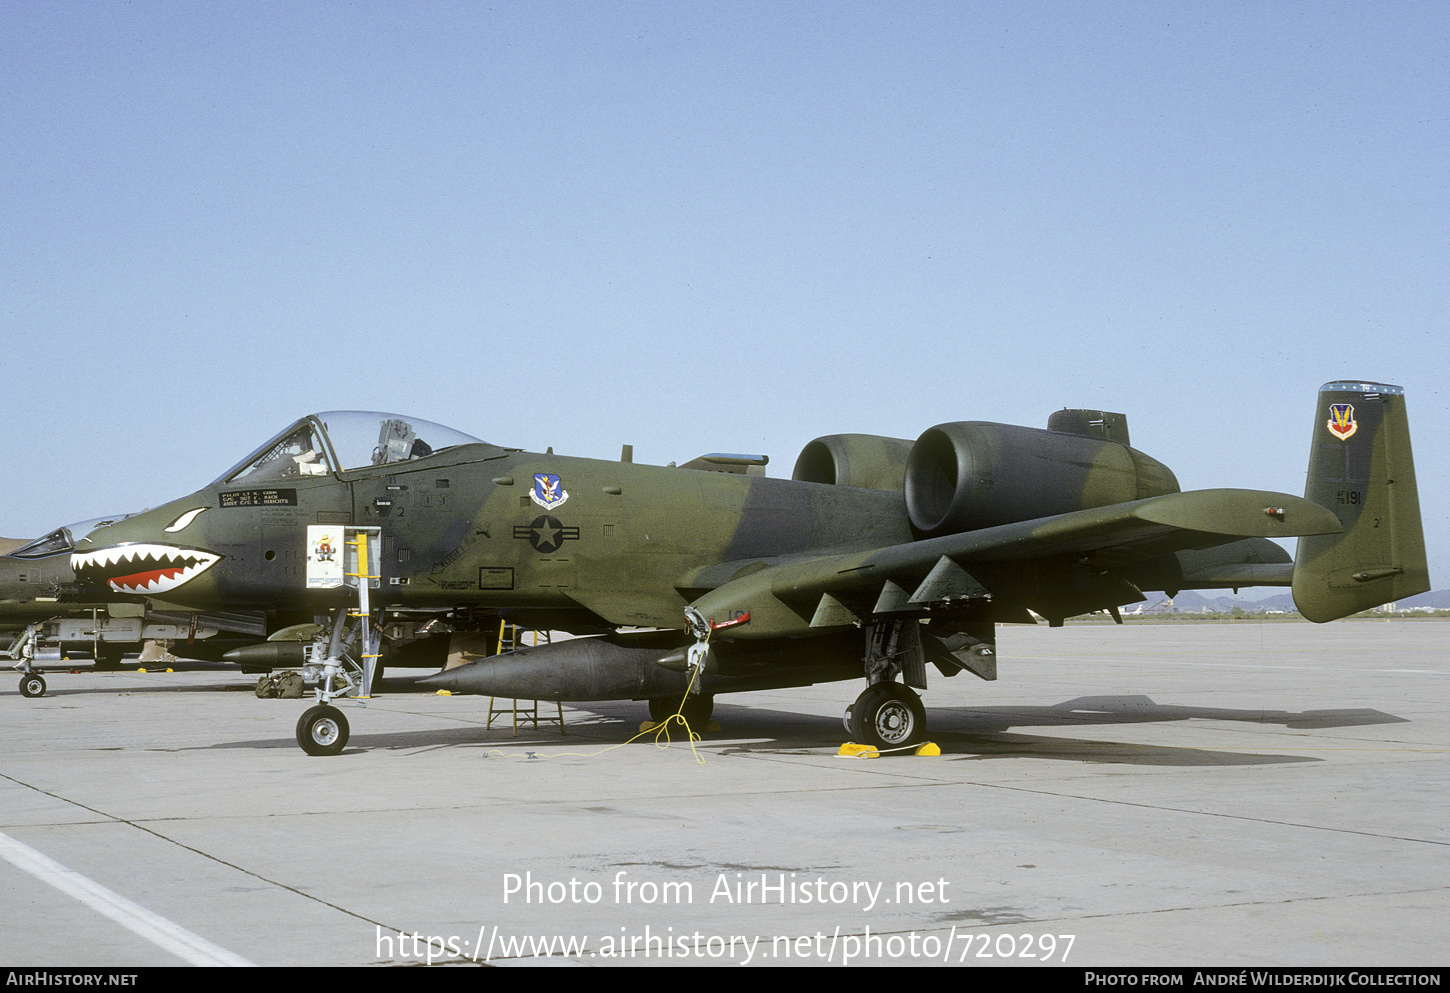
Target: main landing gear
887,716
32,684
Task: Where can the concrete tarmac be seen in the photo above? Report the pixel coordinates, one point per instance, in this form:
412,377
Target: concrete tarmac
1231,794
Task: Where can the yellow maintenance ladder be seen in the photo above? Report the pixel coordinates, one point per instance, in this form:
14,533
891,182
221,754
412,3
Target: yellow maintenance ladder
510,637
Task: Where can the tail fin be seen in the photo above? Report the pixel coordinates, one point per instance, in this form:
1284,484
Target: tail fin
1361,468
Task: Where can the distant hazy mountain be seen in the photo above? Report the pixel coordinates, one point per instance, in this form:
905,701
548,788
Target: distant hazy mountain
1191,601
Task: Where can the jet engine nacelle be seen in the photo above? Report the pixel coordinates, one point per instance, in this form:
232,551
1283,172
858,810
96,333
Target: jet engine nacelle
867,461
973,474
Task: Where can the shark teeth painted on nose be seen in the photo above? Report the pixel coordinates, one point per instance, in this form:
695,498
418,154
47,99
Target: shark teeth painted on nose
142,567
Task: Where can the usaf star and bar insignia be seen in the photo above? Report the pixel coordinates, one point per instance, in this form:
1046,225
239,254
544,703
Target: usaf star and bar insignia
546,533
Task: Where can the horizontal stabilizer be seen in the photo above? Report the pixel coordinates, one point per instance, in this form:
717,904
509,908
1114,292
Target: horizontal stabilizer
1247,562
1243,574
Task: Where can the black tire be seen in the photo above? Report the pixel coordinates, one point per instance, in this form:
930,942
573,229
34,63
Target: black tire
697,709
888,716
32,684
322,731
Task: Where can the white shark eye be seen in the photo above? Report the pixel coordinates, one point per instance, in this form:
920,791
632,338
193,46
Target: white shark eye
182,521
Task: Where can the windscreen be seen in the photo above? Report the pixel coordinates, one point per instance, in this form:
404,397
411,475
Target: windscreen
338,440
63,539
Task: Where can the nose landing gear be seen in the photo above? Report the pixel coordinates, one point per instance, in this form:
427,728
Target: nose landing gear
32,684
322,730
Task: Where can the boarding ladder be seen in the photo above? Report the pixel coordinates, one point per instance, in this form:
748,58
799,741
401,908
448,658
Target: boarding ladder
510,637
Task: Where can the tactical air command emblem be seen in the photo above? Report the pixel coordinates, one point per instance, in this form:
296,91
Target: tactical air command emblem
1341,421
548,491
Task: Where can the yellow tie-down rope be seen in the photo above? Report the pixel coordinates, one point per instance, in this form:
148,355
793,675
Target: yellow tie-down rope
658,730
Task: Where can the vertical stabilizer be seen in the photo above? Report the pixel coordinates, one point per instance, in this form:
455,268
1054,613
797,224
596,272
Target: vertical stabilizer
1361,468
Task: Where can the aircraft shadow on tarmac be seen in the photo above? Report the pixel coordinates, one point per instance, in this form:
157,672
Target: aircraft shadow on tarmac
983,732
1137,709
973,734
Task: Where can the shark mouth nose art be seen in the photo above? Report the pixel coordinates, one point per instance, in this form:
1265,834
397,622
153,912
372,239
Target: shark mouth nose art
142,567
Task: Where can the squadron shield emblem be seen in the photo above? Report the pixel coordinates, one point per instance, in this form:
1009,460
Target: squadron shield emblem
548,491
1341,421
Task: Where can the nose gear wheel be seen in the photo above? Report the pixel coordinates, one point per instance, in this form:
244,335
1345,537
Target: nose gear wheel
322,731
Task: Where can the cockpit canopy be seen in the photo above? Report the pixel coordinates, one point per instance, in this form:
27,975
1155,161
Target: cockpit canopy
63,540
338,440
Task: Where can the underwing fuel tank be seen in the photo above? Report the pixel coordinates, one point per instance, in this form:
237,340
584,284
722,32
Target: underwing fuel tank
267,656
648,664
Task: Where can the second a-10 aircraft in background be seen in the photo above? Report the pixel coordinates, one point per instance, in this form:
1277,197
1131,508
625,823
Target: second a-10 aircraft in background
44,619
880,556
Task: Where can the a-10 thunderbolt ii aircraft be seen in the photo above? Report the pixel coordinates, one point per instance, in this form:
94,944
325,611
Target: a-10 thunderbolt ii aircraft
44,619
879,556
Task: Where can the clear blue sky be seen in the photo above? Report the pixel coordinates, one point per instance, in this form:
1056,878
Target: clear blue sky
713,226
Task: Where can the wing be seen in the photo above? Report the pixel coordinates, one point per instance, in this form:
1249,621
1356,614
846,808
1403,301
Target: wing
1056,566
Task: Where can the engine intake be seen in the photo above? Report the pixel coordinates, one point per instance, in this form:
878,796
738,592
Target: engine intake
866,461
974,474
